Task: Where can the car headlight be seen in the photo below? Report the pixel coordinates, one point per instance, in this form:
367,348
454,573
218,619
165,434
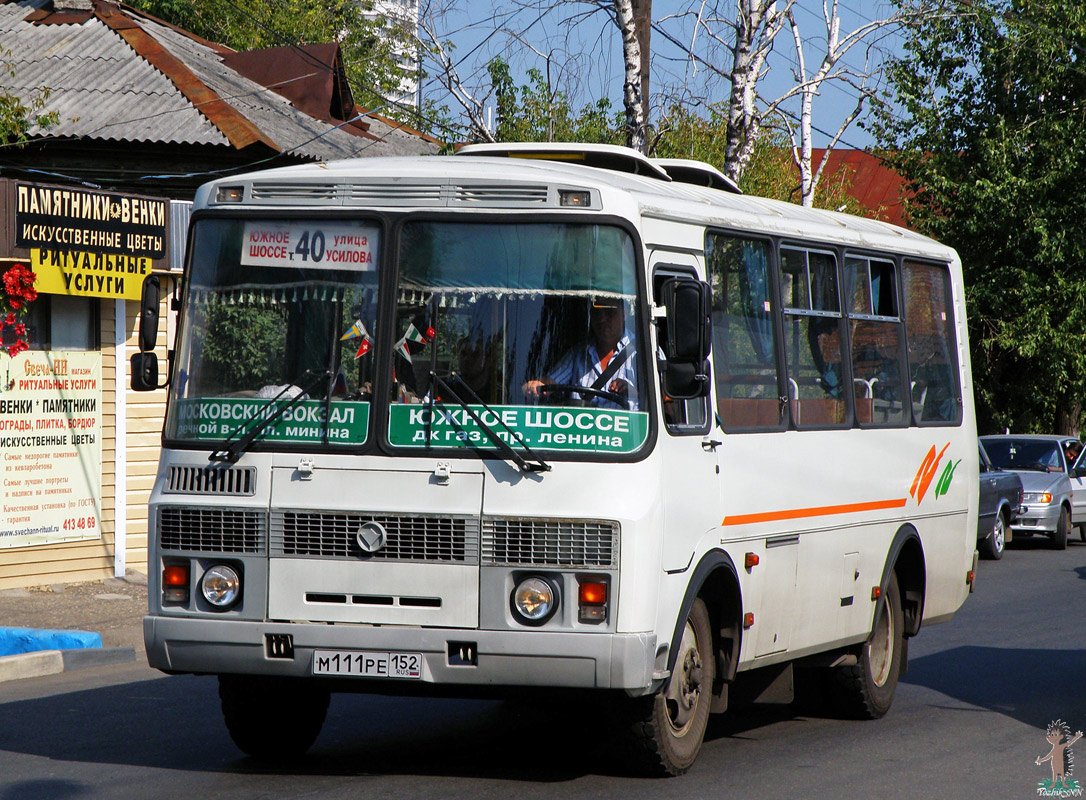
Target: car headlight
1037,497
221,586
535,600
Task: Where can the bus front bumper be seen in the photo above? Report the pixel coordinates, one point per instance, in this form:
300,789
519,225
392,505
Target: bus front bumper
500,658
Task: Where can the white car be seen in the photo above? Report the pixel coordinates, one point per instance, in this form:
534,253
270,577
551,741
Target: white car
1054,486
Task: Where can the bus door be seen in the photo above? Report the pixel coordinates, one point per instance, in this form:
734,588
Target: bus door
687,451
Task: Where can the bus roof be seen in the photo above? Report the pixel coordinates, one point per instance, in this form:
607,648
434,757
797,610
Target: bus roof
491,180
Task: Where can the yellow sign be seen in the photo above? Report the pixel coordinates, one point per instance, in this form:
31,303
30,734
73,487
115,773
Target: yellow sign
50,448
89,274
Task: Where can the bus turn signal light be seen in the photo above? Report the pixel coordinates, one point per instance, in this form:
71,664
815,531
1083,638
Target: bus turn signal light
175,583
748,620
751,560
592,601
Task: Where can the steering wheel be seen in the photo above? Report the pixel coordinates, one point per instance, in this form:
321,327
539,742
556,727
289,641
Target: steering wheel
560,388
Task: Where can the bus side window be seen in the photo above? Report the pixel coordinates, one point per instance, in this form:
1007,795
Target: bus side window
745,345
812,338
876,340
929,334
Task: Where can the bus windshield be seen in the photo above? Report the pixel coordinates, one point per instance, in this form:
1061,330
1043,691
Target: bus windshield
535,324
534,327
277,309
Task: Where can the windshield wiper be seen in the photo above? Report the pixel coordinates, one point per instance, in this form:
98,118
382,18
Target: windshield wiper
232,452
537,464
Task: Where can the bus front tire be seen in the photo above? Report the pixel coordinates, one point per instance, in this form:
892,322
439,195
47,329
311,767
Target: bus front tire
669,727
866,690
272,718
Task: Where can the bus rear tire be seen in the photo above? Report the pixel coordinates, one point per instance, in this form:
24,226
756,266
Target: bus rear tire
669,727
272,718
866,689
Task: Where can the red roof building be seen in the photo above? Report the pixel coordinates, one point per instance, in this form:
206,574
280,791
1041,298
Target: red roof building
875,186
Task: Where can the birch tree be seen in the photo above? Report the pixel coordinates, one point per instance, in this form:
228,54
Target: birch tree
752,38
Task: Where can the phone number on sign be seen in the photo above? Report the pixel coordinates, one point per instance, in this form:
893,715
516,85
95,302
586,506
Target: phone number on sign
79,523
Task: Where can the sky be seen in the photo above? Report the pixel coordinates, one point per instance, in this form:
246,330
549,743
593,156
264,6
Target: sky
577,47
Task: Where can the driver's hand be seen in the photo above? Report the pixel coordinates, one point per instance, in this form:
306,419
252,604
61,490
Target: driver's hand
619,386
532,389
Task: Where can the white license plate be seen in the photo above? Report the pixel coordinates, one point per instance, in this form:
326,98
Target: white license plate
366,664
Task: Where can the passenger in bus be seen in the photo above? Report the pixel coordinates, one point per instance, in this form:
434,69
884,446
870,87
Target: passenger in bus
605,362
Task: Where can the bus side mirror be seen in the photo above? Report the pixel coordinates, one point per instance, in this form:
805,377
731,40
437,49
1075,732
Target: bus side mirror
688,332
686,339
149,314
144,372
686,380
145,362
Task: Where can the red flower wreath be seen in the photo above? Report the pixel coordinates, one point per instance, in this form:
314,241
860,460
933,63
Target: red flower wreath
18,293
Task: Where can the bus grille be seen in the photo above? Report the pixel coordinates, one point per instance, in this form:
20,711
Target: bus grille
550,542
409,538
239,481
211,530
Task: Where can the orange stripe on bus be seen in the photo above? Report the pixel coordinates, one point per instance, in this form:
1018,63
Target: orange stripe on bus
821,511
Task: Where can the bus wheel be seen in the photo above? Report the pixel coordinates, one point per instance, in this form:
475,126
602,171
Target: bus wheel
272,718
991,547
670,730
866,690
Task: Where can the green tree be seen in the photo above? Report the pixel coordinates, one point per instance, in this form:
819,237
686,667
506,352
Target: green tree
19,114
369,46
537,112
987,123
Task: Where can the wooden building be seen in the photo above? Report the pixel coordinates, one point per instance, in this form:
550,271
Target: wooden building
91,204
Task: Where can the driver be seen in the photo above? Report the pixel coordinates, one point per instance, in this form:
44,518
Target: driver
605,362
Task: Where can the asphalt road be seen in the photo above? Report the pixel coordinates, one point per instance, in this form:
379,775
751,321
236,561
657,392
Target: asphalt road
969,720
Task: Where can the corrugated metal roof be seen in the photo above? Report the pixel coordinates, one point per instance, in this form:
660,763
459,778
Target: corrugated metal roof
123,77
99,86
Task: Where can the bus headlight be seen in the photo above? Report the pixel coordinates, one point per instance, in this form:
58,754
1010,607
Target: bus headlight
221,586
535,599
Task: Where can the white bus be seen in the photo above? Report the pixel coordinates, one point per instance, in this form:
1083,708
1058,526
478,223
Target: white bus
554,418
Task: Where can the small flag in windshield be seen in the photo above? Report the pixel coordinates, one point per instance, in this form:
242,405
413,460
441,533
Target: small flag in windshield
358,331
415,339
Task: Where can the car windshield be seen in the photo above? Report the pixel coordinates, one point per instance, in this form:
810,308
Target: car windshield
1040,455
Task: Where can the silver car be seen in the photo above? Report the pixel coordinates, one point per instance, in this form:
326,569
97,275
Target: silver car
1054,486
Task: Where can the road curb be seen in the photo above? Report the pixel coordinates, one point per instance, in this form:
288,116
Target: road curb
50,662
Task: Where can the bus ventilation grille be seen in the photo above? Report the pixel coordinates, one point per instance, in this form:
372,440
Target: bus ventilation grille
501,195
211,530
550,542
237,481
294,191
408,537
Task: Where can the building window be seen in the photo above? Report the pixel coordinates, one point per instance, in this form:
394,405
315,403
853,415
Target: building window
60,322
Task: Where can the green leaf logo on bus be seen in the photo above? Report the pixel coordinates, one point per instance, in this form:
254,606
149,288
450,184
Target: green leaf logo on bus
926,474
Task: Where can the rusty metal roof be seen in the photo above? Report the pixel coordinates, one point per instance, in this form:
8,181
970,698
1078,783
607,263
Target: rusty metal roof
875,186
115,74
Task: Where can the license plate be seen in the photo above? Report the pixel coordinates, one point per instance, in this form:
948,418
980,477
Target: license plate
366,664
